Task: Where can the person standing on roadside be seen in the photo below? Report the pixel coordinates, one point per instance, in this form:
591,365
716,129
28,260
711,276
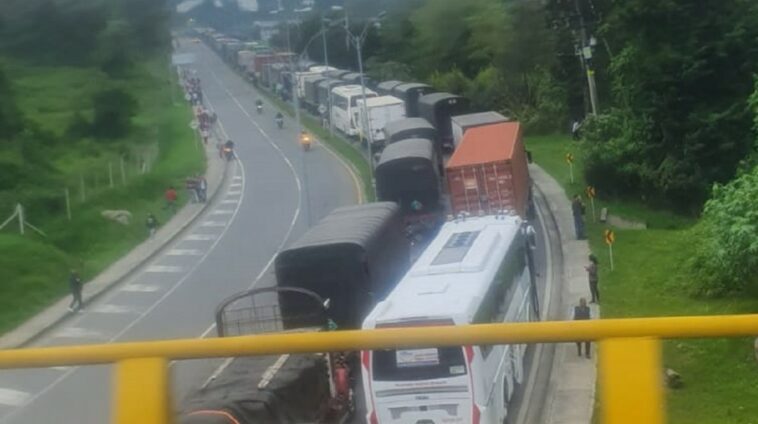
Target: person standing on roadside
593,279
170,196
577,209
75,284
582,312
575,127
152,225
202,188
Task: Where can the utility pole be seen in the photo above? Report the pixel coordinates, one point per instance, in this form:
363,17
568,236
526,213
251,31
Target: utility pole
326,63
587,44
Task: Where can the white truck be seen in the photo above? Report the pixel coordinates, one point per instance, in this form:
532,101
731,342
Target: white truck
381,110
344,113
299,77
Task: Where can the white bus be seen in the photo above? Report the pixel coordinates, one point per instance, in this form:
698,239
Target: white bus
475,271
344,113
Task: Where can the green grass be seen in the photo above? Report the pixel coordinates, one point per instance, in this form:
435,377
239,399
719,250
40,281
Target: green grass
650,279
35,269
347,151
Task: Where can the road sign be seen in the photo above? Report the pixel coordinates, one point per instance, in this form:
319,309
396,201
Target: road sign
590,191
609,237
569,158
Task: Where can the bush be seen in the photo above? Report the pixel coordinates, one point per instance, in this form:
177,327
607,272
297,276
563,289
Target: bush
727,259
114,109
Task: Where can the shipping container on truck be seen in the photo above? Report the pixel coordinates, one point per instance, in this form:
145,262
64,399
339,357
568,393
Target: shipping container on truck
381,110
354,257
410,93
313,71
488,171
336,73
438,109
385,88
461,123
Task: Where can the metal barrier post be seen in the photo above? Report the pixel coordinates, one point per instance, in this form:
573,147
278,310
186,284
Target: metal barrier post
631,382
141,392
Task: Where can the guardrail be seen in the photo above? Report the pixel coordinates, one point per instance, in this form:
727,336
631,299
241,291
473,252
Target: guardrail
631,388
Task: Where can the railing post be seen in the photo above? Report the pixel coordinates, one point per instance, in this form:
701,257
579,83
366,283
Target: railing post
141,392
631,382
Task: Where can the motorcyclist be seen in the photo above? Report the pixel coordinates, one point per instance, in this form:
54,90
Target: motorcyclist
279,118
229,149
259,105
305,140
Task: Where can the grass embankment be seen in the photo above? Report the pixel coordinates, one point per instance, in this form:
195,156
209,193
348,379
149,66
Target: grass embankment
650,279
343,148
35,268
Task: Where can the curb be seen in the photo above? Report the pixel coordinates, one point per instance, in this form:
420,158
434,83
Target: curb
9,341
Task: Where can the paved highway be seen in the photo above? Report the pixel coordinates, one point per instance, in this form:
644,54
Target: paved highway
271,195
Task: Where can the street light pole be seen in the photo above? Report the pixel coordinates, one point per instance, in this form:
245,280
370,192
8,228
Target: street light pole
366,121
326,63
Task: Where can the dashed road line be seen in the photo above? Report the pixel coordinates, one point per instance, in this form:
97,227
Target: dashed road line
230,201
110,308
184,252
140,288
164,268
222,212
12,397
213,224
78,333
200,237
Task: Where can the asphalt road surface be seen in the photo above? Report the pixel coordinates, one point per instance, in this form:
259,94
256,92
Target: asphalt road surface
272,194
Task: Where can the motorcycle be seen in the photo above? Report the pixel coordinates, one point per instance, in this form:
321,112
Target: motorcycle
305,141
260,108
280,122
229,153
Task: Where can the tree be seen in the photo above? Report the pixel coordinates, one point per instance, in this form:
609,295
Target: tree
114,109
10,117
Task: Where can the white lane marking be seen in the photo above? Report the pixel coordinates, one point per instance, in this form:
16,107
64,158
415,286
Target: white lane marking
59,368
77,332
234,185
222,212
140,288
11,397
110,308
164,268
184,252
213,224
200,237
233,193
236,177
230,201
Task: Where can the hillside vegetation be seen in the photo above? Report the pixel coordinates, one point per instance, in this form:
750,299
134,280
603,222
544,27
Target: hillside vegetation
96,113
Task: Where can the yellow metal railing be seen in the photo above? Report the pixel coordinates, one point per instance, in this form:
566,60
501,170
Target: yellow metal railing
629,353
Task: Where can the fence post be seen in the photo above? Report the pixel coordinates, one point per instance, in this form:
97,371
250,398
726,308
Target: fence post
110,174
20,210
123,172
68,203
82,188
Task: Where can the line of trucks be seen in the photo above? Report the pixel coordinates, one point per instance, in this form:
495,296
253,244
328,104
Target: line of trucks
438,161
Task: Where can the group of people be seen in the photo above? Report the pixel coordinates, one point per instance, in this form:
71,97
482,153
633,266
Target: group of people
193,89
582,310
197,186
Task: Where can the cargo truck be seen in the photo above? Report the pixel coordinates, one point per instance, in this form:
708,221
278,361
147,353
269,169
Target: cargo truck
438,109
488,172
461,123
381,110
410,93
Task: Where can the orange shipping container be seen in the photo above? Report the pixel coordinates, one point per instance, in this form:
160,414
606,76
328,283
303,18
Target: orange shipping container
488,171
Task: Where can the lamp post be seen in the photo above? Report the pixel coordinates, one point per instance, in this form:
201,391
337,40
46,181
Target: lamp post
358,41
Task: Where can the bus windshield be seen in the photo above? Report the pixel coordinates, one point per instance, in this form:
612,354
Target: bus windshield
418,364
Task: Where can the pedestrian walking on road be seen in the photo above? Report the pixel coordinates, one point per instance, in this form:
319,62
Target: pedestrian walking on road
75,284
171,197
202,188
577,208
582,312
593,279
152,225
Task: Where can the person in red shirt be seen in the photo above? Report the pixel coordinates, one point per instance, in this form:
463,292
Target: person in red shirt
171,196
